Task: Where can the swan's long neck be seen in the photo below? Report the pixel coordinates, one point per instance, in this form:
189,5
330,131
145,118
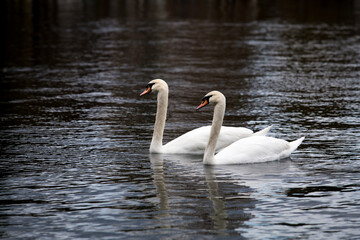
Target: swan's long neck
162,104
218,117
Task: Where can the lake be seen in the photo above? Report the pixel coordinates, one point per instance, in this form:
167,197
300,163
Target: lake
75,133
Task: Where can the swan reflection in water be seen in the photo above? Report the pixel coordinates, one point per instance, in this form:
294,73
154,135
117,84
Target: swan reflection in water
189,181
220,215
157,165
185,186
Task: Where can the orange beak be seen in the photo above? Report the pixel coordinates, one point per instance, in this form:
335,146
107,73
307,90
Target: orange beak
203,104
147,90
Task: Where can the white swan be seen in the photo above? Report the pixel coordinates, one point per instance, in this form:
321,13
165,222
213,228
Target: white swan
194,141
247,150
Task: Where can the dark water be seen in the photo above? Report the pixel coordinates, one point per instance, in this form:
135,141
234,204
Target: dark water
75,133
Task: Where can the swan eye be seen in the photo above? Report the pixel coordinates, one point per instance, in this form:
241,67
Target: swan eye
148,89
206,98
149,86
204,101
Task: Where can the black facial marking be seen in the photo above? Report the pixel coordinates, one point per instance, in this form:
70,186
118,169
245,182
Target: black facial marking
206,98
150,85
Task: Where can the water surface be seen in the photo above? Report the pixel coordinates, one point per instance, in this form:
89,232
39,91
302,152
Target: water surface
75,133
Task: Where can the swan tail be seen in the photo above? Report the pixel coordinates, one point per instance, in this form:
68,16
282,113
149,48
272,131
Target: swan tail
295,144
263,132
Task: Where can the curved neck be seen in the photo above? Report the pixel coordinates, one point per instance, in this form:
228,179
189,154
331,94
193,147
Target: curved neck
162,104
219,112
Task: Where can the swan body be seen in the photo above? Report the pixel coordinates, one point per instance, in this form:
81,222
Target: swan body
256,149
194,141
253,149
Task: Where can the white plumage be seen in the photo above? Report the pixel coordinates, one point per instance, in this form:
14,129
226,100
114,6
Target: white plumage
256,149
252,149
194,141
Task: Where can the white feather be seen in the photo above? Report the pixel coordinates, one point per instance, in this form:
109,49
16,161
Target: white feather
253,149
192,142
256,149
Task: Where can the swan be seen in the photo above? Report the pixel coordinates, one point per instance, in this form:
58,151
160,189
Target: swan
194,141
253,149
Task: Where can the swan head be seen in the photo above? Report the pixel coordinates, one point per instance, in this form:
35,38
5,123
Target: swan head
155,86
213,97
